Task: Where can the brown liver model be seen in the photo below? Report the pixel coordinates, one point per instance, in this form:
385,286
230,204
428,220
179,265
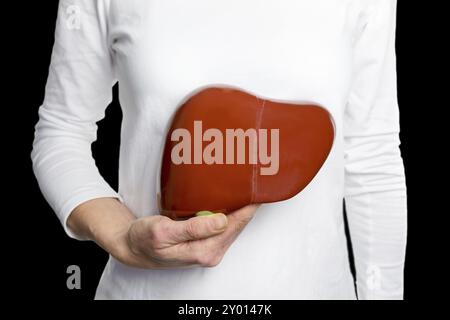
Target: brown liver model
306,135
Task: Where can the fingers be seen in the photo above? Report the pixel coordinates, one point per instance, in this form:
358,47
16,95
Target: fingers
183,246
208,252
203,252
167,243
245,213
186,242
238,219
200,241
197,228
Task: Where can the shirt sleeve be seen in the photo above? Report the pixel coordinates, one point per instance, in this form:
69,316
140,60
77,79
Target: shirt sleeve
375,190
78,90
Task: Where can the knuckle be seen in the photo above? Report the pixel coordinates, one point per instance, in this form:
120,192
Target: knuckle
161,228
164,227
156,235
192,229
159,254
243,221
209,259
212,261
240,224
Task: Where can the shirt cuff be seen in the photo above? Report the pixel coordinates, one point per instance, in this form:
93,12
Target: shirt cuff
80,198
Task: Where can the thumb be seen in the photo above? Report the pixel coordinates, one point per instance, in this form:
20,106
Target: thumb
197,228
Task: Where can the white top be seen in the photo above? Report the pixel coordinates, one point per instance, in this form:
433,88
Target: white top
339,54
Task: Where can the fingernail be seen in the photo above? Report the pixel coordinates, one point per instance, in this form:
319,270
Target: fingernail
220,221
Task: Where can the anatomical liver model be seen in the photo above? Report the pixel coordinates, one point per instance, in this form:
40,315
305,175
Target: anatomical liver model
227,148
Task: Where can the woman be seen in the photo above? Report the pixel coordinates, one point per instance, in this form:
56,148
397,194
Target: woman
339,54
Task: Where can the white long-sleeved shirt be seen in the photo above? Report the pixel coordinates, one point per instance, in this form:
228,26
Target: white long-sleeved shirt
339,54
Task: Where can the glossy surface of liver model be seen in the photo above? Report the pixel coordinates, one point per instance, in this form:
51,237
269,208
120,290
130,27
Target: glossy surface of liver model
306,135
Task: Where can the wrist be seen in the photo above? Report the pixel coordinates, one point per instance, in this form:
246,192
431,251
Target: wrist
105,221
110,227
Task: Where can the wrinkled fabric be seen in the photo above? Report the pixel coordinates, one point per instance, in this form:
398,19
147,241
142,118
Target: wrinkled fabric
339,54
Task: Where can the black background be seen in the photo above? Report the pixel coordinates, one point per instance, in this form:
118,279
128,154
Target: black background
42,251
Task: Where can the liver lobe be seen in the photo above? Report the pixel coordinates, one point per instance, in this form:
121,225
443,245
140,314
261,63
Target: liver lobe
306,136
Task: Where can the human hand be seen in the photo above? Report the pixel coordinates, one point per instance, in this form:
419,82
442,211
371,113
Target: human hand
158,242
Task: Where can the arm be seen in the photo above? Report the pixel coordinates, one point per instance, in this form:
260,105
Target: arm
375,191
78,90
155,241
